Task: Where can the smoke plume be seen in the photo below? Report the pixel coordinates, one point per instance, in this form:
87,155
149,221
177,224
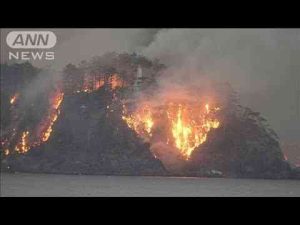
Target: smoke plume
262,65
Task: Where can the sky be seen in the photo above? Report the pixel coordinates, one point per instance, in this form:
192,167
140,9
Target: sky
262,65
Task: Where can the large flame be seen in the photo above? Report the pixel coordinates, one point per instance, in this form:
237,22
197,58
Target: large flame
189,129
187,124
23,141
27,140
53,115
141,121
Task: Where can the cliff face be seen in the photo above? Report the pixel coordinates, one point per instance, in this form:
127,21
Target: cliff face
89,138
243,147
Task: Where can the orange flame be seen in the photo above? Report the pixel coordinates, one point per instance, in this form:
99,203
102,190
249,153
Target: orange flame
6,152
14,98
189,132
187,129
54,112
23,145
141,121
99,84
91,83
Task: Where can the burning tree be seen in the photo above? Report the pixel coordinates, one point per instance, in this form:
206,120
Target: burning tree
87,95
97,122
186,125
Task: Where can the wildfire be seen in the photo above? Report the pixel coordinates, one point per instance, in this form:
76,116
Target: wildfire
189,130
53,115
207,108
13,99
91,84
141,121
187,127
6,152
99,84
23,145
25,142
115,82
42,133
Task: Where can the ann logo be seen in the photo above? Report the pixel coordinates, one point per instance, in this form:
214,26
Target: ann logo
31,39
34,40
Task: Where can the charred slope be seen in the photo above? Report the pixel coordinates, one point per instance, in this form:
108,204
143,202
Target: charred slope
89,138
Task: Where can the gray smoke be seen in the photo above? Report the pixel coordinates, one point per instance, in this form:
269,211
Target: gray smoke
74,45
262,65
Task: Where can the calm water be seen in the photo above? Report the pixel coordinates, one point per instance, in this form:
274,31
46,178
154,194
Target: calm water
81,185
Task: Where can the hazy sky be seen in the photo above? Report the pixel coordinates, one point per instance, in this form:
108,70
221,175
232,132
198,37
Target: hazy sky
263,65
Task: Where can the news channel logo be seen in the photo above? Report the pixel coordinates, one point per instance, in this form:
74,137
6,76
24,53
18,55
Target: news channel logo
31,45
